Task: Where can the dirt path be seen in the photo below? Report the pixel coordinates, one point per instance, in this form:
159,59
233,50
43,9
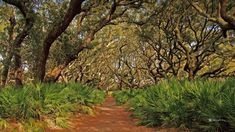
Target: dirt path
109,118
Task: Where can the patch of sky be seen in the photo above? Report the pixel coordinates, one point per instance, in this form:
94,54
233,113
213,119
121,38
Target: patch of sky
1,57
213,27
194,43
25,67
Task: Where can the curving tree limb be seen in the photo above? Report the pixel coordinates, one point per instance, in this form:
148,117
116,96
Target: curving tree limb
225,21
56,30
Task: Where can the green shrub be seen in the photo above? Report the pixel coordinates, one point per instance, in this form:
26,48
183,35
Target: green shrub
123,96
53,101
198,105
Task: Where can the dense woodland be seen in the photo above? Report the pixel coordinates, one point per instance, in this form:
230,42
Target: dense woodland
115,44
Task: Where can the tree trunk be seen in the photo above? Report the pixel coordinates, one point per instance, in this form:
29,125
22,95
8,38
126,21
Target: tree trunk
7,61
6,67
17,68
55,73
191,75
53,34
26,8
17,48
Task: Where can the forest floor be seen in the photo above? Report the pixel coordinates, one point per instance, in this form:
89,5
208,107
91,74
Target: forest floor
108,118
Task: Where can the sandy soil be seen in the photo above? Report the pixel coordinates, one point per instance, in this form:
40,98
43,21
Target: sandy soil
108,118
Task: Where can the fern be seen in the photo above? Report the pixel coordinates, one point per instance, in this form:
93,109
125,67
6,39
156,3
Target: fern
32,103
198,105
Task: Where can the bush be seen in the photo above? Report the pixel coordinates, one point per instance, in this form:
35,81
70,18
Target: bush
122,96
46,101
198,105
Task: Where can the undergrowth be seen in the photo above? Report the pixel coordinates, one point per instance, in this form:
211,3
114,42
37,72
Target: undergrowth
200,105
38,106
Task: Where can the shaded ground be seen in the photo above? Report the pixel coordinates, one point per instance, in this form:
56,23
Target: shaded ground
109,118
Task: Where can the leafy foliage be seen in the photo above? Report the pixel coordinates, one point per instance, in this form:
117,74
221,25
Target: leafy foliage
123,96
46,102
198,105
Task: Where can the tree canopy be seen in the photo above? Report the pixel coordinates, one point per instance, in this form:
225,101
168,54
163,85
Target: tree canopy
115,44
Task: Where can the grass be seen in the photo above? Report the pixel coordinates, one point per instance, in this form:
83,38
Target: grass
200,105
40,105
123,96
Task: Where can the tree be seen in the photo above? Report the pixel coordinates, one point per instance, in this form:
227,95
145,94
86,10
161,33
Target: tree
113,44
224,17
88,24
57,29
26,8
